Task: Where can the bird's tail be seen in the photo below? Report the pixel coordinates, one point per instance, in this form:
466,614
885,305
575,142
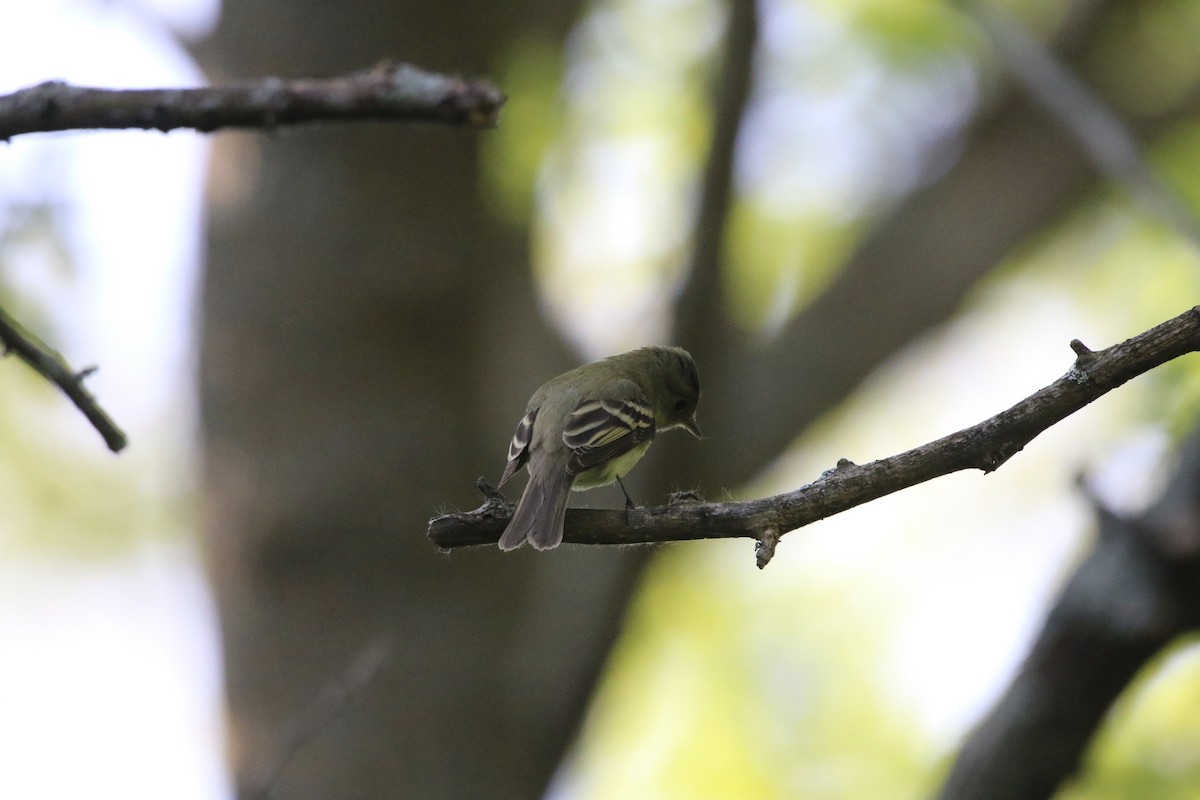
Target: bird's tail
540,513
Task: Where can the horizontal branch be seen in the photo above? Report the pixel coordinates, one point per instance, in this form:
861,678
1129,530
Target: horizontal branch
985,447
51,366
390,91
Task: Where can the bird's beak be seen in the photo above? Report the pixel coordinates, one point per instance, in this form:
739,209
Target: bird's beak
693,427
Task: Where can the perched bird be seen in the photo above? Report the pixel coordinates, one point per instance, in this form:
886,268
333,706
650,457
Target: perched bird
588,427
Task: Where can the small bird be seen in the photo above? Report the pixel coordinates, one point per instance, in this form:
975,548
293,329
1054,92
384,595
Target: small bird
588,427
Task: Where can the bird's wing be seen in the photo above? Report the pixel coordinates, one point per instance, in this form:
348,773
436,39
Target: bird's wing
598,431
518,449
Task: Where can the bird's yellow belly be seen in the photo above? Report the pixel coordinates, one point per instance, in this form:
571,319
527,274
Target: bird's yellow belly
607,473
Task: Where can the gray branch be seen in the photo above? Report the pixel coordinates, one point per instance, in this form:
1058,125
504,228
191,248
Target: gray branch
390,91
51,366
985,447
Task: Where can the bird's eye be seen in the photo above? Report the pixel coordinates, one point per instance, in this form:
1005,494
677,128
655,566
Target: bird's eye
680,405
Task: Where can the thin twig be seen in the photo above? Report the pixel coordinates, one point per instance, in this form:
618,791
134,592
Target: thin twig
390,91
51,366
985,446
335,698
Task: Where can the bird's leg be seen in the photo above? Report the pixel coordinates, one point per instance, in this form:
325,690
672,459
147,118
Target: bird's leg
490,493
628,500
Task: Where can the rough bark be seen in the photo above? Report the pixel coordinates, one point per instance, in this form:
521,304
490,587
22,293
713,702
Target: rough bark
388,92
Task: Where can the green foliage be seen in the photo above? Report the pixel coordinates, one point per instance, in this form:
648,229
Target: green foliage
1142,78
722,690
776,261
906,28
530,122
1176,158
61,489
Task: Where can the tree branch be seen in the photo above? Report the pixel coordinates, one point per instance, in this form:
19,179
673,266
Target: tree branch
51,366
389,91
985,446
1135,593
700,319
1019,174
701,324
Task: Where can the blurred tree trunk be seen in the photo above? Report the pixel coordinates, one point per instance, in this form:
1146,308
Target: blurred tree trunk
369,339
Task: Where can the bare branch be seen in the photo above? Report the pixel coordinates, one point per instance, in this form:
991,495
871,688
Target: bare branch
1019,174
985,446
51,366
390,91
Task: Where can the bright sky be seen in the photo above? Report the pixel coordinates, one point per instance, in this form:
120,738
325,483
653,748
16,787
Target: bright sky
109,676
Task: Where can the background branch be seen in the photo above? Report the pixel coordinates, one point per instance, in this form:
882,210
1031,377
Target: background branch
1135,593
389,91
1101,134
700,322
55,369
985,446
1020,173
335,698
